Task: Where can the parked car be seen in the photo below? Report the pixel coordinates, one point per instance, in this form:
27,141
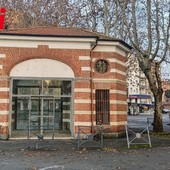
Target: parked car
165,111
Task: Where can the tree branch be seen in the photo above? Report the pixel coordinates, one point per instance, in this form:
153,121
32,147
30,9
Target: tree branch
149,27
134,23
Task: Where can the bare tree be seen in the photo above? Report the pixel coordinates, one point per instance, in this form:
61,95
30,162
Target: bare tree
30,13
148,25
95,15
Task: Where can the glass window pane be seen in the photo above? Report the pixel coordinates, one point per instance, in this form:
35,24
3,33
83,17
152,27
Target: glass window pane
52,87
66,105
29,87
66,87
21,112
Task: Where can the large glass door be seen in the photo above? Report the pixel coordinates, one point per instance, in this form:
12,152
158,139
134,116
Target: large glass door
41,115
38,111
41,103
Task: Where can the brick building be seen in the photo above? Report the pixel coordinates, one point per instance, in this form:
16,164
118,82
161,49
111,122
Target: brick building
166,94
140,98
78,76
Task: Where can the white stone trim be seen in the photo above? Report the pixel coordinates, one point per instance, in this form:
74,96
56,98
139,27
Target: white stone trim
5,112
118,92
83,90
118,113
85,69
52,42
82,112
112,46
117,102
84,58
88,90
2,55
82,79
42,68
114,60
82,123
48,39
118,123
109,80
113,113
4,124
4,101
107,48
89,101
117,71
82,101
4,89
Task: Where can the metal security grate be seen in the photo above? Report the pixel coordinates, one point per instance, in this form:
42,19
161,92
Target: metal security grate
102,107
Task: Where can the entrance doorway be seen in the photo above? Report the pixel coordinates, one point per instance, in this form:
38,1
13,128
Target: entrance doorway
45,111
41,103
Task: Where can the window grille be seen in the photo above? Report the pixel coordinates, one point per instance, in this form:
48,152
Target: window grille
102,107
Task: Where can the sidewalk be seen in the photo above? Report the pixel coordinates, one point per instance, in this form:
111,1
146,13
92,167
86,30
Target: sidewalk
65,156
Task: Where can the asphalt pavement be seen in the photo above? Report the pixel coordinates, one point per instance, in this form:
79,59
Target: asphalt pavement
141,120
65,155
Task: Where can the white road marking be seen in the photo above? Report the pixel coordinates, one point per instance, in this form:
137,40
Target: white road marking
58,167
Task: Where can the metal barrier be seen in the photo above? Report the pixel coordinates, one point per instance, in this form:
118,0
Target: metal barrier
150,123
90,135
37,134
137,135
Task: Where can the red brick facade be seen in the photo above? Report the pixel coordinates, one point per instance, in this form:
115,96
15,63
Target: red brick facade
165,100
86,78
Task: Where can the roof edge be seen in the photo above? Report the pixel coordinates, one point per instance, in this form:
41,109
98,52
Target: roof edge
49,35
118,40
69,36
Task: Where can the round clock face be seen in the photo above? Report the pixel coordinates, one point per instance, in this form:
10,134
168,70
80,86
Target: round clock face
101,66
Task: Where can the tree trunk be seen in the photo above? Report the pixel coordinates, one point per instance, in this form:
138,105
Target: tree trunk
153,75
157,124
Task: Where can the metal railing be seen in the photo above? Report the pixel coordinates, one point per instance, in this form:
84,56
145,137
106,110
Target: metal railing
137,135
37,134
90,136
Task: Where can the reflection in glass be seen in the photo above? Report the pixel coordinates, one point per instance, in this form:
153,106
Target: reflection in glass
21,107
66,88
66,105
44,99
30,87
52,87
41,87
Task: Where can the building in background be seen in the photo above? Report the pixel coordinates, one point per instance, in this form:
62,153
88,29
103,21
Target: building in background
166,94
140,100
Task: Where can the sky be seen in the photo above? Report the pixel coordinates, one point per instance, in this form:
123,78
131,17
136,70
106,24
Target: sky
166,71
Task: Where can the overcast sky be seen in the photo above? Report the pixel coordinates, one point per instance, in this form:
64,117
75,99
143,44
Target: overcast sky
166,71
